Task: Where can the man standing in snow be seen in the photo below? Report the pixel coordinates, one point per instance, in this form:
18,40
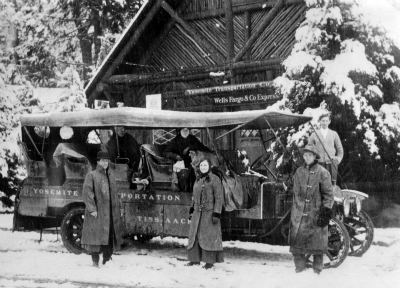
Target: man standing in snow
311,211
328,145
102,227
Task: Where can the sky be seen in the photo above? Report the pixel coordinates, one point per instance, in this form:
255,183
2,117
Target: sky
383,13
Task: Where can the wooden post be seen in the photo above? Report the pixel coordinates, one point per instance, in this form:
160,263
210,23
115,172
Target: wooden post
200,40
270,16
191,74
230,40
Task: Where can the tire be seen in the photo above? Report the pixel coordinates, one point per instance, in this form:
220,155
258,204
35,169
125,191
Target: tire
361,231
71,230
338,245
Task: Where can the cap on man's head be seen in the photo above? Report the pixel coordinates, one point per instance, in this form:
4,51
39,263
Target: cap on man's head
312,149
103,155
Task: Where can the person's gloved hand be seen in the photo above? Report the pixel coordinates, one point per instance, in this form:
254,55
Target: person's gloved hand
191,210
215,218
94,214
178,158
324,216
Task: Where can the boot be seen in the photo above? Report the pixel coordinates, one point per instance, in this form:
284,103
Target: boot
208,266
192,263
106,259
95,260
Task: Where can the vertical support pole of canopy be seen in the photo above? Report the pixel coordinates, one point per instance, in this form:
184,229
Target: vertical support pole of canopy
275,134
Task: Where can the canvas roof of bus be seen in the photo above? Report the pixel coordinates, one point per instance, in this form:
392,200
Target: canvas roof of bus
157,119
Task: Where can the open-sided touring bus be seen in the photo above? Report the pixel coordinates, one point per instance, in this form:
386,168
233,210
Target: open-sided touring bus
59,155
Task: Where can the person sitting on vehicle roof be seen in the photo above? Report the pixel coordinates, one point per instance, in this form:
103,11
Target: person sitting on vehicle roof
123,145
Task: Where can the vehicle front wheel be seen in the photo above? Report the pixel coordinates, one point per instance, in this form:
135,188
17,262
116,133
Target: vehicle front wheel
361,231
338,245
71,230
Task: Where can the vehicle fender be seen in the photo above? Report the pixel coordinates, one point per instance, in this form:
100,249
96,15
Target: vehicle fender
341,194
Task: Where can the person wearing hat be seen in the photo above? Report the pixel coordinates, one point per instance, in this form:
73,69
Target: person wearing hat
328,145
102,226
311,211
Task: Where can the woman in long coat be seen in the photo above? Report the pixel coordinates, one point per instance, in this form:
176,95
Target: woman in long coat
205,237
311,211
102,227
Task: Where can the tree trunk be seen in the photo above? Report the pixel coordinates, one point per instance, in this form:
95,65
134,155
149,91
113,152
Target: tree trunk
98,31
84,41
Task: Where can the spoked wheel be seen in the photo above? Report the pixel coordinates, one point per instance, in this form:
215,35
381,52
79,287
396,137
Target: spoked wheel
71,230
361,231
338,245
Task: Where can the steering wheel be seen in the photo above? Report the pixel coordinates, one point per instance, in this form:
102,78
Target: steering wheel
260,161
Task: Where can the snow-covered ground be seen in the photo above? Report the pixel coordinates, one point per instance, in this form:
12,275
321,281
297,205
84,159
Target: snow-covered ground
24,262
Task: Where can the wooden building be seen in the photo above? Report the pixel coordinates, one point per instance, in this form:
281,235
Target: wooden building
200,55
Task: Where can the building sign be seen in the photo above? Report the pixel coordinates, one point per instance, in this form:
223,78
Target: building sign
261,94
153,101
252,99
230,88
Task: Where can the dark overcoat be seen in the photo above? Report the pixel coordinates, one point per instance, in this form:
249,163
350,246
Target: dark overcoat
128,148
312,189
178,145
207,199
99,185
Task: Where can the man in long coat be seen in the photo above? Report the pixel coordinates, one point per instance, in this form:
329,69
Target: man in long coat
328,145
311,211
102,227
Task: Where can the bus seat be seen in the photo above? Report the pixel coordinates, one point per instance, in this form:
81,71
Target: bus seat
160,168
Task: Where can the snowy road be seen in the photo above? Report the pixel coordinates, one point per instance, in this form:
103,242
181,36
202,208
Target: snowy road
24,262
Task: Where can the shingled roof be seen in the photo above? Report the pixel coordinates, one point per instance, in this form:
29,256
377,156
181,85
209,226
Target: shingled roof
171,35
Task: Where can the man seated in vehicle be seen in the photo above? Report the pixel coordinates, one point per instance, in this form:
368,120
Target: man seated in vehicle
123,145
178,150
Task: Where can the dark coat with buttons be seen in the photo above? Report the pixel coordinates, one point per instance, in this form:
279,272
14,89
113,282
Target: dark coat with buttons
100,194
207,199
312,189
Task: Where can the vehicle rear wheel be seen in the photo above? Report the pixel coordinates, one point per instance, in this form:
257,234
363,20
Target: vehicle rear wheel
71,230
143,238
338,244
361,231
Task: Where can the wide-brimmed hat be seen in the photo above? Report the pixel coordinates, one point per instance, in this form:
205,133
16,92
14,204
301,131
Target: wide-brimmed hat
103,155
311,148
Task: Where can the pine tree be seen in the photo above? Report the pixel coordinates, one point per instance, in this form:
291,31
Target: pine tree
343,64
